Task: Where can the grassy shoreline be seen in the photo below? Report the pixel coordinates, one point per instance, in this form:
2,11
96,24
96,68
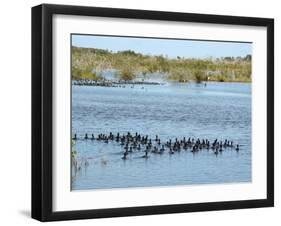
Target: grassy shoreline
90,63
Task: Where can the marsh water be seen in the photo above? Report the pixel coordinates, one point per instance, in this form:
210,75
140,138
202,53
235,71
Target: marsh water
174,110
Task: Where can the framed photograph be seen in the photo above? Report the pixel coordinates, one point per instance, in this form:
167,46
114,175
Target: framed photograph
145,112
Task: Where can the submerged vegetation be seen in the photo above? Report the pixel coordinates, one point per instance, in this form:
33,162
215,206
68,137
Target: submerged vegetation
89,63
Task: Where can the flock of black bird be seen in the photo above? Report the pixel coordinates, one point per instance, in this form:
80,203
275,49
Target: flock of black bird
136,142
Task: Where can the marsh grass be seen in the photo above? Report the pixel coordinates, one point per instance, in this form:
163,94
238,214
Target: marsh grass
129,64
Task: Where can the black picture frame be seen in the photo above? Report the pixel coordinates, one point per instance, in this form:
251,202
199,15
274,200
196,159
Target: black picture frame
42,111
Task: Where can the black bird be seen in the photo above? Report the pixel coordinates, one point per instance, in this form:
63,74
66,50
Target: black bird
146,154
216,152
125,155
171,151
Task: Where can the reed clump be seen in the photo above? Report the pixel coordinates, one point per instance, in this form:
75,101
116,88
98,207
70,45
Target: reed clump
126,74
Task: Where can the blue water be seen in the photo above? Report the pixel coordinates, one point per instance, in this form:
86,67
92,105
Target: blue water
219,110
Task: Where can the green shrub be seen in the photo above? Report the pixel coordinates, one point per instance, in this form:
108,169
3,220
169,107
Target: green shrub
90,75
199,76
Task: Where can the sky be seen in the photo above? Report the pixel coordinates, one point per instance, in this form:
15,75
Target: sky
165,47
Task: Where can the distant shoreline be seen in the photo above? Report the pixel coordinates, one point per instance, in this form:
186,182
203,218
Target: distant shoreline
88,82
96,64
